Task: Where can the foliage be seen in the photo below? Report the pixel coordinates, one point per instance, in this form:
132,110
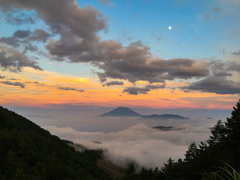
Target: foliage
224,173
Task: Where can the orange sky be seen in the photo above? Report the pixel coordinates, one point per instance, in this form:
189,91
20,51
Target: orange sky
42,89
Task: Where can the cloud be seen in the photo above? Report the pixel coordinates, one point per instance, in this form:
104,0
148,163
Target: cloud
30,48
13,60
70,89
218,85
142,90
102,77
39,35
2,77
220,69
23,38
137,64
112,83
13,83
15,18
207,16
107,2
146,146
10,41
21,34
236,53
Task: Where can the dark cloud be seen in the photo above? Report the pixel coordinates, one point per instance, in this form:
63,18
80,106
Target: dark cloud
236,53
218,85
220,68
21,34
138,65
102,77
15,18
37,83
30,48
10,41
23,37
39,35
13,83
2,77
70,89
142,90
112,83
233,66
15,61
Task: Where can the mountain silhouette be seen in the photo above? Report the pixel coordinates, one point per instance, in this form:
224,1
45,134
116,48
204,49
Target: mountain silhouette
164,128
122,112
164,116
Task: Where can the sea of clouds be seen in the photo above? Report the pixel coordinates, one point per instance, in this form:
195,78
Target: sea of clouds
139,143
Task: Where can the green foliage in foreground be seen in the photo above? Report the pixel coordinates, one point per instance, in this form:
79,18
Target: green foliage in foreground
224,173
30,152
201,159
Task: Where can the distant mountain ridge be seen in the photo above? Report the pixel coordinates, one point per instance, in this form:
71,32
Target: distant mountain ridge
122,112
164,116
127,112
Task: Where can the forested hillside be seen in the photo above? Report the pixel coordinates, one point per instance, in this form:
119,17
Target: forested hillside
30,152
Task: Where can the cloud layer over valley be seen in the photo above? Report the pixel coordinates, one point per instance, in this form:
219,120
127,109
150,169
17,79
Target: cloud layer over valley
146,146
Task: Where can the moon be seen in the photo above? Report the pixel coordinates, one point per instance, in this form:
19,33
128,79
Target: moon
169,27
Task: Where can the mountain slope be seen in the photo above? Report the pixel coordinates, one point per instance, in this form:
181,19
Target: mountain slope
164,116
29,152
122,112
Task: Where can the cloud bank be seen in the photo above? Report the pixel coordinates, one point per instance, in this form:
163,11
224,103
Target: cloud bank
146,146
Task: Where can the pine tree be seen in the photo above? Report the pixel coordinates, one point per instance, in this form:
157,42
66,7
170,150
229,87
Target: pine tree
192,152
232,142
233,123
218,134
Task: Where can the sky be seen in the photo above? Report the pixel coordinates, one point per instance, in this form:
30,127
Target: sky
148,54
64,62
